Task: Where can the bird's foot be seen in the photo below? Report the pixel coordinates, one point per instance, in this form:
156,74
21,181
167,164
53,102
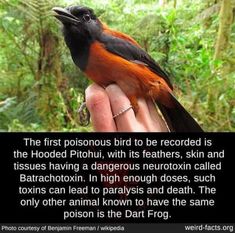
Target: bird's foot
83,115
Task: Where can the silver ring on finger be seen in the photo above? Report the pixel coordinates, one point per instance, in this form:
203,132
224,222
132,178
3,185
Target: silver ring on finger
122,111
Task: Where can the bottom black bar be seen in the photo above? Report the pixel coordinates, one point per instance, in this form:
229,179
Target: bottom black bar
125,228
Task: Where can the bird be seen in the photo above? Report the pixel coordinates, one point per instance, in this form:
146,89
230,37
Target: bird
107,56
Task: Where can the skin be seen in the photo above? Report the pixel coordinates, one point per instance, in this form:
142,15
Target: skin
102,105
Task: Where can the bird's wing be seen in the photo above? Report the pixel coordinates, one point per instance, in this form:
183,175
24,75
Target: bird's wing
131,52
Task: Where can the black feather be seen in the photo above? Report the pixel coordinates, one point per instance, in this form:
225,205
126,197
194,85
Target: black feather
177,118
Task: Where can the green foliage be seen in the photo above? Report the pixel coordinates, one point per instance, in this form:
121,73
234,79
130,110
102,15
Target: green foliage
41,89
31,69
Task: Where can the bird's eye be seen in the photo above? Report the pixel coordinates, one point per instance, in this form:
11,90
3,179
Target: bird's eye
86,18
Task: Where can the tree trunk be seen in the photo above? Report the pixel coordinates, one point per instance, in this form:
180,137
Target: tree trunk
175,3
226,20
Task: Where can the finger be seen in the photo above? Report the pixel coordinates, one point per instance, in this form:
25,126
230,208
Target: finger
98,104
143,115
119,102
149,117
157,119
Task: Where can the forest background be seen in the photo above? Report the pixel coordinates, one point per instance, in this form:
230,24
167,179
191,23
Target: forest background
41,89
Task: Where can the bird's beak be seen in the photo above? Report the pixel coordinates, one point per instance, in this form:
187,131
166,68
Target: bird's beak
64,16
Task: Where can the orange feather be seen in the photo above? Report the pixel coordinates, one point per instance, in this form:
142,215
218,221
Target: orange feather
134,79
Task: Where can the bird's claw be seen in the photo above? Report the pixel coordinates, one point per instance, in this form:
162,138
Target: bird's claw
83,115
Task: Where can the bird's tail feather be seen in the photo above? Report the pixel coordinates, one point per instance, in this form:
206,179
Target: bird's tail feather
177,118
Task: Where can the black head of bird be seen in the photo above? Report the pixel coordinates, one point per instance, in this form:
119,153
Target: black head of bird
81,28
78,21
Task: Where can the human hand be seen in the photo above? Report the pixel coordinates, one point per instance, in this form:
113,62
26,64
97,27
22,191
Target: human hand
103,104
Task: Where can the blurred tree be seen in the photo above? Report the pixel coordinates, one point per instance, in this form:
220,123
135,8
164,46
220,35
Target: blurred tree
226,20
175,3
